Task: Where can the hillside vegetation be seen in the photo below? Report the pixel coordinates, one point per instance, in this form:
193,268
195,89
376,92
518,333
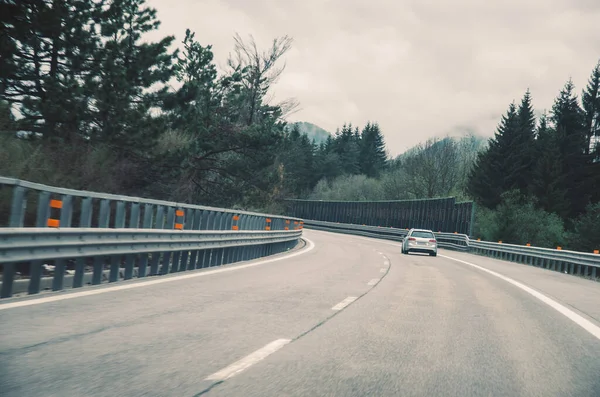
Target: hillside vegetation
87,102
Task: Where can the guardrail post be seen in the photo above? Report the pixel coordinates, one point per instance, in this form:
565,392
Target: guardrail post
41,220
210,221
180,220
166,260
146,224
115,260
103,222
203,260
159,224
134,223
18,207
241,252
190,257
60,264
84,221
8,276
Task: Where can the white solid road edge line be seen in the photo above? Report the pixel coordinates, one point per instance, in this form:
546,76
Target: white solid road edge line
373,281
571,315
248,361
160,280
344,303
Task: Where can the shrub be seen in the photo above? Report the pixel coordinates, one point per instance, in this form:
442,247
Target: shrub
517,221
586,230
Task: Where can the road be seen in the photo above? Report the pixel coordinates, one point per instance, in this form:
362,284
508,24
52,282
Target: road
347,316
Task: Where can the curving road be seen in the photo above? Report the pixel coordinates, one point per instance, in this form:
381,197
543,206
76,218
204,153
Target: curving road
347,316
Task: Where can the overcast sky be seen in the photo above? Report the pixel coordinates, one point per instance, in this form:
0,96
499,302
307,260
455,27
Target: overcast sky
420,68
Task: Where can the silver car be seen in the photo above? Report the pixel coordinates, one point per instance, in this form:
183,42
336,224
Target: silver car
420,240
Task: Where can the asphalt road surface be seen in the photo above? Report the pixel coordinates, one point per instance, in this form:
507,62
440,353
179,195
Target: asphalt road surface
347,316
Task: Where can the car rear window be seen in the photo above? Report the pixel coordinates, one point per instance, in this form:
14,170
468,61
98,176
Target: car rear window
422,235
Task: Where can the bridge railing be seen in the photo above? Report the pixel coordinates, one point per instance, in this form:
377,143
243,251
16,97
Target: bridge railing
53,238
572,262
445,240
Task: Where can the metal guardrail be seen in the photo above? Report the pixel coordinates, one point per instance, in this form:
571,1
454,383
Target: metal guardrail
571,262
57,207
121,237
445,240
435,214
127,252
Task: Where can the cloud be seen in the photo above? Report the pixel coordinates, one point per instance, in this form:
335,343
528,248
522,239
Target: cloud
420,68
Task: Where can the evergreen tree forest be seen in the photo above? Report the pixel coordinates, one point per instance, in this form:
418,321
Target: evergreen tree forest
88,102
538,181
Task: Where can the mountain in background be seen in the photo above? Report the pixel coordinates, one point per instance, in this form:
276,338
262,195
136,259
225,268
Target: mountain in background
314,132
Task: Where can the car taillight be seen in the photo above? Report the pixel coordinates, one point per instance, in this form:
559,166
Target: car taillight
412,239
432,241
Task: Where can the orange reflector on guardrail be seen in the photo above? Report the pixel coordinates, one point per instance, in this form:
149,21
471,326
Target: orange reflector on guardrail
235,227
596,251
529,245
559,248
236,218
500,242
179,219
267,227
54,217
286,228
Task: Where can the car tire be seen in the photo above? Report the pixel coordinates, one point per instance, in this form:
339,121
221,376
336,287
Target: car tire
433,254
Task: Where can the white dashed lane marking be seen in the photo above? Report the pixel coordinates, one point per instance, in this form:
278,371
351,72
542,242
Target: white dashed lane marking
248,361
344,303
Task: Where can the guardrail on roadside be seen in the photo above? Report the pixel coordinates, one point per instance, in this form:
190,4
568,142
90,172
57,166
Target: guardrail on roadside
119,237
571,262
445,240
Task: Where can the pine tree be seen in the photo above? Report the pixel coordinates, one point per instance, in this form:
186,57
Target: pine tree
492,173
327,163
373,157
590,99
47,48
296,155
193,107
568,122
127,69
7,120
547,181
347,148
521,158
